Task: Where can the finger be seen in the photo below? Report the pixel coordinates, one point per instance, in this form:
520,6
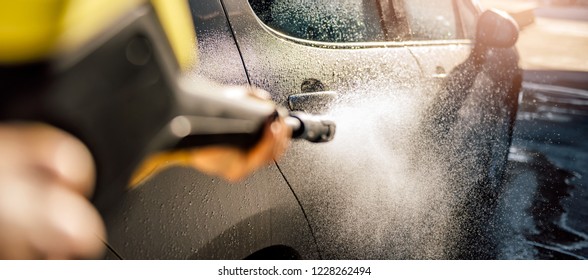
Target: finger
44,177
18,202
42,220
55,153
69,227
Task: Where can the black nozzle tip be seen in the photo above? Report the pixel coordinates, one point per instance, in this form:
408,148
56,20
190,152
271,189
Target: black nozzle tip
330,131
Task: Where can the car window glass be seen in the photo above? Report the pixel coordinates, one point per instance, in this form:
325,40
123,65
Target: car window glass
322,20
360,20
430,20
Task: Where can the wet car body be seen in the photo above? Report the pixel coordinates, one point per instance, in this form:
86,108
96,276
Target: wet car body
415,170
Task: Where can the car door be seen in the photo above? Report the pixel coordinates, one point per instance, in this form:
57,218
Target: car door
363,195
375,67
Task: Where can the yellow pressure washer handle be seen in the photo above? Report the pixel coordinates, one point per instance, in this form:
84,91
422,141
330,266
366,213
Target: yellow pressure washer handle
38,30
108,72
117,87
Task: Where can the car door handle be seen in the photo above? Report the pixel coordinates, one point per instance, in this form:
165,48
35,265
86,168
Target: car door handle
312,102
440,73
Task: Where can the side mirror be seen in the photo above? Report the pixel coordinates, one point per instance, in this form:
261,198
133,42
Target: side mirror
496,29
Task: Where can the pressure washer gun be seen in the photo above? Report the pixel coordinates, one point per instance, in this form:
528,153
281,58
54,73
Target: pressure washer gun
108,72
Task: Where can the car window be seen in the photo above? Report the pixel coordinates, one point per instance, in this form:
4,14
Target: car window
361,20
430,20
322,20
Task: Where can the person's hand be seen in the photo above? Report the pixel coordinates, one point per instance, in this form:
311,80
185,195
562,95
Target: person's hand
230,163
46,177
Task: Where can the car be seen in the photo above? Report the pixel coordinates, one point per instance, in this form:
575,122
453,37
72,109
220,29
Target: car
424,95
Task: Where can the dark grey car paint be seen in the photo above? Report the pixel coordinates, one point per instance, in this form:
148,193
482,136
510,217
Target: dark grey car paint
181,214
218,56
376,191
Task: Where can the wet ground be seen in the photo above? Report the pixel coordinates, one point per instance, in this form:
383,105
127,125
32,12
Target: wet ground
545,207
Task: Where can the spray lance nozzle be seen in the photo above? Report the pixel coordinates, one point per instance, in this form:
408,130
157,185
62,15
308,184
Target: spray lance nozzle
311,127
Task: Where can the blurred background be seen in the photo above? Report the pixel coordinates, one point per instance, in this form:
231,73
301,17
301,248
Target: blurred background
545,206
554,33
